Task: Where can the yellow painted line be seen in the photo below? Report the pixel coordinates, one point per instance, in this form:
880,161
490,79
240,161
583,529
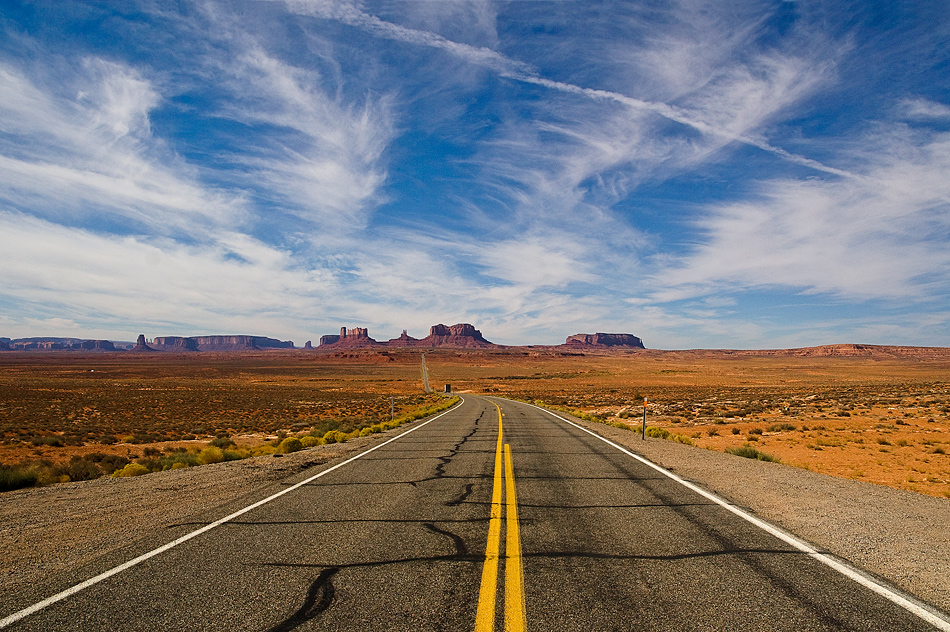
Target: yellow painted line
485,615
514,577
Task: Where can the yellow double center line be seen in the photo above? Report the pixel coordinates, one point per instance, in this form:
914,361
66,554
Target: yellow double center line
514,578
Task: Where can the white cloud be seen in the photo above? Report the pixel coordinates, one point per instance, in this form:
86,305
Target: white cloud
880,236
924,109
90,153
324,160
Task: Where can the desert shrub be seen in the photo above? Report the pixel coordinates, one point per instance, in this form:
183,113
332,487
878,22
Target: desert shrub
749,452
112,462
365,432
263,450
736,431
222,442
309,441
780,427
938,450
177,466
236,455
132,469
152,464
883,441
290,444
682,439
211,454
334,436
151,452
755,431
51,441
660,433
188,437
108,439
181,458
713,432
80,469
18,476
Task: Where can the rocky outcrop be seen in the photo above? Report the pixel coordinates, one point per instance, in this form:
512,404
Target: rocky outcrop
5,344
174,343
141,344
94,345
851,351
604,340
308,345
59,344
404,340
462,335
355,338
219,343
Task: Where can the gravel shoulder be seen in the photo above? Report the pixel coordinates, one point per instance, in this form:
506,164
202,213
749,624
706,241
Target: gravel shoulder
900,536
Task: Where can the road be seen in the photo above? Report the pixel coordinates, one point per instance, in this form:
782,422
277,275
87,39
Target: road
456,526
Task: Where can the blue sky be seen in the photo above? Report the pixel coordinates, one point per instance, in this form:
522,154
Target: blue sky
702,175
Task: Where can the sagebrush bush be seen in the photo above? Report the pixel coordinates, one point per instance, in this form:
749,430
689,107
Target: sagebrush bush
132,469
309,441
290,444
749,452
211,454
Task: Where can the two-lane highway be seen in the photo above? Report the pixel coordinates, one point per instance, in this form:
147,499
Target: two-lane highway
495,515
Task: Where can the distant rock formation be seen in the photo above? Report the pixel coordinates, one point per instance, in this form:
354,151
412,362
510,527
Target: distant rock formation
404,340
5,344
308,345
175,343
462,335
59,344
141,345
355,338
219,343
604,340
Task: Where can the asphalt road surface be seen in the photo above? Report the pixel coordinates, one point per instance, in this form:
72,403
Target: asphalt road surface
457,526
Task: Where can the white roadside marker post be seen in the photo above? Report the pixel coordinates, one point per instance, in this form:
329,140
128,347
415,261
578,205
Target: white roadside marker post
643,429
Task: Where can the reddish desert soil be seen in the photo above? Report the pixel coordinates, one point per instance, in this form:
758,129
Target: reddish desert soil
875,418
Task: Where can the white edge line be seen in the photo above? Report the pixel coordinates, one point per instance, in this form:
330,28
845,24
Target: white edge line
846,570
16,616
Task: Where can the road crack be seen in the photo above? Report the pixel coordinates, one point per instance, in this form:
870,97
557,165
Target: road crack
319,598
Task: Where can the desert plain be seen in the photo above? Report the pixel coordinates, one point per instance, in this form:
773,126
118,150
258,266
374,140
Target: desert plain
880,417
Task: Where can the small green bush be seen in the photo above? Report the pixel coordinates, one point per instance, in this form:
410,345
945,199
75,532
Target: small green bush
748,452
290,444
211,454
222,442
334,436
660,433
132,469
309,441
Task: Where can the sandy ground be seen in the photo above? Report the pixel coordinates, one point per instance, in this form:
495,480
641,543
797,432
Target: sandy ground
898,535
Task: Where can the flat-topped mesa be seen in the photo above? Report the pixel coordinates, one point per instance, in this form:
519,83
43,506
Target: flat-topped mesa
604,340
461,335
356,337
219,343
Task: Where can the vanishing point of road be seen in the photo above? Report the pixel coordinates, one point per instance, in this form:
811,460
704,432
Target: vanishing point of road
495,515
